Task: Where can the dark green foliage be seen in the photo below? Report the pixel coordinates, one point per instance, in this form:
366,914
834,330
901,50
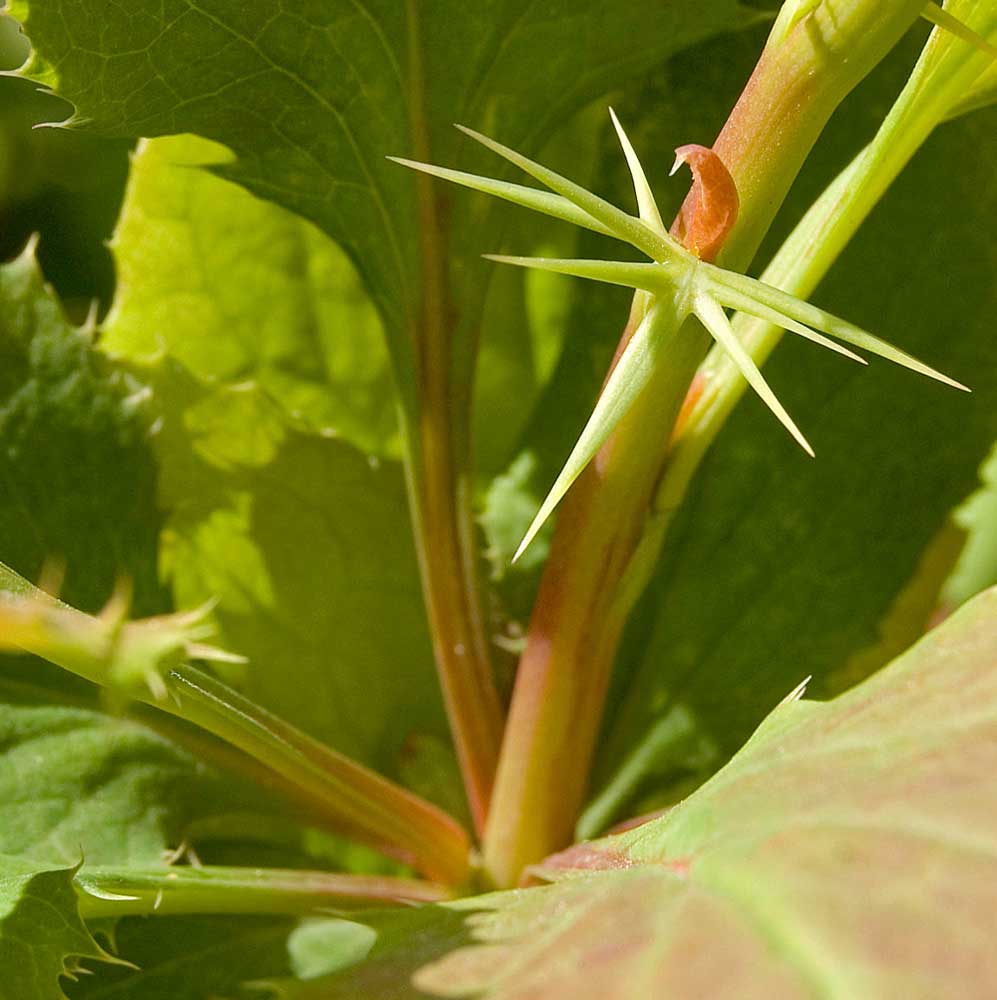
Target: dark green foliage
77,478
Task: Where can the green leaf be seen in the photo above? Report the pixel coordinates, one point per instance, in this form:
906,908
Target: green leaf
75,783
189,958
319,947
207,957
848,851
240,291
311,560
312,104
77,479
777,569
42,938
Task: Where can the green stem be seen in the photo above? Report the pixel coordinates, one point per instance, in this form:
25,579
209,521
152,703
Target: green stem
124,892
586,595
440,491
355,800
359,801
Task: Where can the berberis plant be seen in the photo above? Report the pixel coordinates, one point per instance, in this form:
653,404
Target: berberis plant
320,444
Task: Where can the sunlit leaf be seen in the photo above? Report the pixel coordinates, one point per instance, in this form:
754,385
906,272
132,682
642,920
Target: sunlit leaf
772,879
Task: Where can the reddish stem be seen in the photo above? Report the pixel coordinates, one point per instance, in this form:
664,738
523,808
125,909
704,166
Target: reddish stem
439,487
579,616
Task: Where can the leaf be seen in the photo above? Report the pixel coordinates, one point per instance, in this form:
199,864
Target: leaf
66,188
848,850
76,783
189,958
311,104
319,947
42,937
775,570
310,557
240,291
77,479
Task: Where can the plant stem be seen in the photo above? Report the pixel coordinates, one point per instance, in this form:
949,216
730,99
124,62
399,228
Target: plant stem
947,70
361,803
585,595
123,892
439,485
354,799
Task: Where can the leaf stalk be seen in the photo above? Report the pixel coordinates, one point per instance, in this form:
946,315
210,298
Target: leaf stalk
123,892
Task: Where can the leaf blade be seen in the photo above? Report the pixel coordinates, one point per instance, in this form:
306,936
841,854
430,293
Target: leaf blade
740,891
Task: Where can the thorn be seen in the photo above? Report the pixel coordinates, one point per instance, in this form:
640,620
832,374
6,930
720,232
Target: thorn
646,204
114,897
156,685
712,316
797,693
89,326
622,225
625,383
30,251
199,651
734,299
654,278
750,291
545,202
947,22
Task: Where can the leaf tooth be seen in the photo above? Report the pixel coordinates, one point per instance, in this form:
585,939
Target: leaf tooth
630,376
648,277
623,226
791,307
646,204
526,197
711,314
743,303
